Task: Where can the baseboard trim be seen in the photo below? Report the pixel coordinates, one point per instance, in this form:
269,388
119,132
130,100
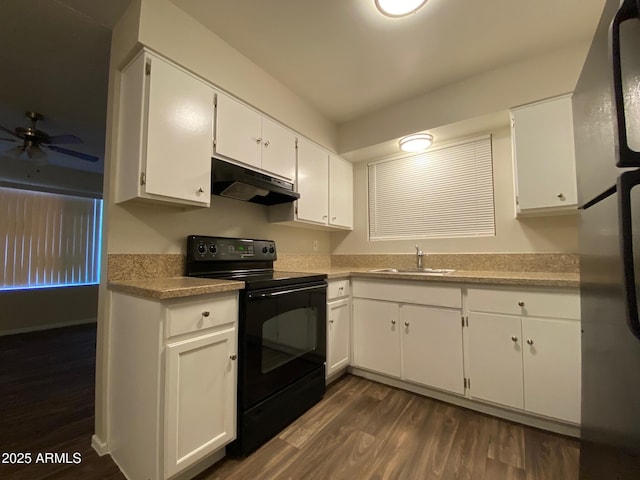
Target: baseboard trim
542,423
99,446
37,328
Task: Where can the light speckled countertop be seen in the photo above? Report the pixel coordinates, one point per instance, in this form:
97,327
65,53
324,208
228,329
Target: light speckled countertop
174,287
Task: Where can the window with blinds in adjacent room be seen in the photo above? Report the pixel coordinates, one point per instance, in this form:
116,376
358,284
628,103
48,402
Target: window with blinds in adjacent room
48,240
445,192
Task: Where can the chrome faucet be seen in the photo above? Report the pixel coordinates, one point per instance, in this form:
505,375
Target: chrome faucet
419,255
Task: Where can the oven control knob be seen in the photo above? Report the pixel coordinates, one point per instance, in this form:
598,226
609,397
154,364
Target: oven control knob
265,249
271,249
201,248
213,249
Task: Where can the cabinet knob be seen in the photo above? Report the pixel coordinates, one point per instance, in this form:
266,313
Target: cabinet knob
514,338
206,313
521,304
233,357
324,217
393,322
529,342
333,218
330,321
266,144
258,140
406,324
560,195
201,190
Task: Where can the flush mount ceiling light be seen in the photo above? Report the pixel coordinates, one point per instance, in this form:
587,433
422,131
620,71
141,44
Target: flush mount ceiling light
399,8
416,143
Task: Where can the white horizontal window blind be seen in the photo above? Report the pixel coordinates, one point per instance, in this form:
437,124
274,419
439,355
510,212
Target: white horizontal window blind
441,193
48,239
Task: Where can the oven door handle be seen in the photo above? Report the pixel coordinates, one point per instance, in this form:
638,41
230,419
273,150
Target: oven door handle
284,292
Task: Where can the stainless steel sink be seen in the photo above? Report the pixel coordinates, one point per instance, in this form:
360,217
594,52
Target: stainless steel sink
415,271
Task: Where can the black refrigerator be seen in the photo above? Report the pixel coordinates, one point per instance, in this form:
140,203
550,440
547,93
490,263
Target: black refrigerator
606,112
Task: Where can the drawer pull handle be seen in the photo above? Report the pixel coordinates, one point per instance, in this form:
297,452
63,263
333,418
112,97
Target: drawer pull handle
206,314
233,357
521,304
514,338
529,342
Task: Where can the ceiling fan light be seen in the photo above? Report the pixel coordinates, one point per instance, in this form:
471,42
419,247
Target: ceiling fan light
416,143
399,8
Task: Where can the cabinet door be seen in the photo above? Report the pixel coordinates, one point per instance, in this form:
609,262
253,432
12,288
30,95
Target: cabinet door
313,182
552,368
179,134
278,150
376,339
340,192
200,398
238,131
432,347
495,358
544,155
338,335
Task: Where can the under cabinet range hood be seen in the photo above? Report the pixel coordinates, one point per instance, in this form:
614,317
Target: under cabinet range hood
233,181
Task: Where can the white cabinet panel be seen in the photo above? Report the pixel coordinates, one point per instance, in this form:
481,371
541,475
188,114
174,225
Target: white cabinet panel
200,398
278,150
551,360
338,335
408,292
165,134
495,359
238,131
544,156
313,183
432,347
340,192
376,342
525,302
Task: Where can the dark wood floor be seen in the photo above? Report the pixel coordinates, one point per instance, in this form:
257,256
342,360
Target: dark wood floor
47,385
364,430
361,430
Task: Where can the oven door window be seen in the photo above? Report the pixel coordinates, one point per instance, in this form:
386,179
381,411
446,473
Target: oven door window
288,336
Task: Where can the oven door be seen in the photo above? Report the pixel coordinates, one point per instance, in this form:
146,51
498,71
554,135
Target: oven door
282,338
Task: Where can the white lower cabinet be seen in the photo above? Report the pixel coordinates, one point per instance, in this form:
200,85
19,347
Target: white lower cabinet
417,343
199,411
173,371
338,335
525,361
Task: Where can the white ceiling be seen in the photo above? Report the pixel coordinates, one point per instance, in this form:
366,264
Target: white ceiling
348,60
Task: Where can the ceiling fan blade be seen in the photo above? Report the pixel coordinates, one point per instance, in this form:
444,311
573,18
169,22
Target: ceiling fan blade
66,151
57,139
8,130
8,139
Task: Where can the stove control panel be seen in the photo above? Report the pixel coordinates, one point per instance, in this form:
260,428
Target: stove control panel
201,248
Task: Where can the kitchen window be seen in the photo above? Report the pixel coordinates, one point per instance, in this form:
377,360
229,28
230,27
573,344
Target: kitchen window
48,240
445,192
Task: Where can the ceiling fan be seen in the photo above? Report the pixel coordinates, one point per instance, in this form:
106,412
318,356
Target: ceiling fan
33,140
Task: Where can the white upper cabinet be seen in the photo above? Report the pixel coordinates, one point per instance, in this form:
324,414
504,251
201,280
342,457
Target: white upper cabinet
246,136
313,183
165,134
340,192
325,184
544,157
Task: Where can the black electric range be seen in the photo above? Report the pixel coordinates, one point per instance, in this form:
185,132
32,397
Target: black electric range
281,334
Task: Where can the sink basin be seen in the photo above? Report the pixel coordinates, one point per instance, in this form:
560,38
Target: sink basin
415,271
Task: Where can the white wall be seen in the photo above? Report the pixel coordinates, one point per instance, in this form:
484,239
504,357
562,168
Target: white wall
543,234
495,90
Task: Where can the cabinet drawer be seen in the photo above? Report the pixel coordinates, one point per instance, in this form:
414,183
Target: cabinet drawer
337,289
525,302
191,315
408,292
